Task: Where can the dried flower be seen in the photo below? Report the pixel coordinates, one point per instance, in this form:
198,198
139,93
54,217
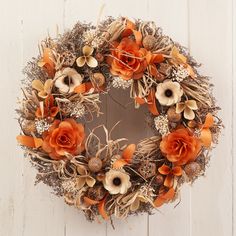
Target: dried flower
168,93
170,173
76,109
84,177
47,62
118,82
188,108
67,79
186,146
117,181
87,58
64,137
43,89
161,124
42,125
180,73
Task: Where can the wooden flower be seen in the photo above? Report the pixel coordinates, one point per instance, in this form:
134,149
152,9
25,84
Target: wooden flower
47,109
168,93
67,80
43,89
127,59
170,174
87,58
64,137
117,181
84,178
188,107
180,146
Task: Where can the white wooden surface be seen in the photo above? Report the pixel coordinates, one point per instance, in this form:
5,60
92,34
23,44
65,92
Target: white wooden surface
207,208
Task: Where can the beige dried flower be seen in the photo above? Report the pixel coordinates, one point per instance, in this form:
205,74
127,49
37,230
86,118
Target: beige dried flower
168,93
117,181
67,79
188,107
84,177
43,89
87,58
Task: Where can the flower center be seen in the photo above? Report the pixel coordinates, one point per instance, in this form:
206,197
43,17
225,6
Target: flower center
117,181
67,80
168,93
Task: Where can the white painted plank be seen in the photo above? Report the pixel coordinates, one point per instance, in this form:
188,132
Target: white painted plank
43,213
211,43
172,16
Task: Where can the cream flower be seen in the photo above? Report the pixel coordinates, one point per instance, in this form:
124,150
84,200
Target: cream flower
188,108
117,181
43,89
67,79
168,93
87,58
84,178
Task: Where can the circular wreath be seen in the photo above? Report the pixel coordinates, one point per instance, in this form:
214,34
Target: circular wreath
62,93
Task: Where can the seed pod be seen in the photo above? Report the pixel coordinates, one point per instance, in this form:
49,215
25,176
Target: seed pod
172,115
98,79
192,169
147,169
29,127
95,164
96,193
149,42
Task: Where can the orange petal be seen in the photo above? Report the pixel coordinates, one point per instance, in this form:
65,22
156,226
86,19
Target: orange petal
139,100
164,198
89,201
80,89
101,209
177,171
164,169
138,36
206,137
169,181
152,103
119,163
29,141
128,153
209,121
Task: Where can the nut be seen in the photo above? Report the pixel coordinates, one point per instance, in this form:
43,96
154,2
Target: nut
172,115
192,169
98,79
149,42
147,169
95,164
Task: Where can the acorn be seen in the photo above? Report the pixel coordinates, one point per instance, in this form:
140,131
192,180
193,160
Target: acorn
149,42
159,179
29,127
172,115
192,169
95,164
98,79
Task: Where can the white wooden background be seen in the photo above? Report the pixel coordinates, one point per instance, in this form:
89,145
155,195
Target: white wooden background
207,27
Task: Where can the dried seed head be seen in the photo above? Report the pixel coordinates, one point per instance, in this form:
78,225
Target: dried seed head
172,115
149,42
147,169
95,164
192,169
29,127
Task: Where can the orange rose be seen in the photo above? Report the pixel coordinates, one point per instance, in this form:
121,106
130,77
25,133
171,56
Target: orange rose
180,146
127,59
64,137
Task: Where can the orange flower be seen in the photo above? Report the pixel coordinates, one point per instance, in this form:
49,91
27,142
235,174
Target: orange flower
47,109
180,146
127,59
47,62
152,60
164,197
170,173
64,137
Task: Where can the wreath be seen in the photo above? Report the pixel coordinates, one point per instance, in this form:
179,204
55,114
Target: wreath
61,93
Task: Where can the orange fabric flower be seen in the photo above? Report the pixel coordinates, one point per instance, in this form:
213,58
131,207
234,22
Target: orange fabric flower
180,146
47,109
127,59
170,173
164,196
64,137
